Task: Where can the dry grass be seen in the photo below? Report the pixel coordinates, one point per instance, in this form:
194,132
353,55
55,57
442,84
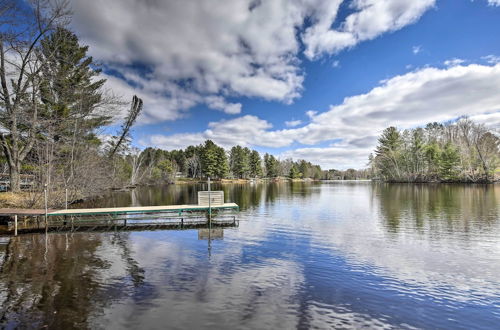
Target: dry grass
35,200
17,200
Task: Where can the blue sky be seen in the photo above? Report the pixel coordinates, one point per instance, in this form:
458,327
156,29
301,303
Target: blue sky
312,79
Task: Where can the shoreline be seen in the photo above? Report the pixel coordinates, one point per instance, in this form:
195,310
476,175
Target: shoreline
31,199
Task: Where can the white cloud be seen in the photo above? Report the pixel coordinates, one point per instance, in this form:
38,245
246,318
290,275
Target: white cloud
409,100
245,131
218,103
416,49
311,113
491,59
494,2
370,19
405,101
488,119
179,53
454,62
157,106
293,123
336,64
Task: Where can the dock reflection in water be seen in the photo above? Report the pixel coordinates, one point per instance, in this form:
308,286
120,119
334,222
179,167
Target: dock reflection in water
304,256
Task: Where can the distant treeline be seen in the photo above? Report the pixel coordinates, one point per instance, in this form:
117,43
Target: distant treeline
211,160
463,151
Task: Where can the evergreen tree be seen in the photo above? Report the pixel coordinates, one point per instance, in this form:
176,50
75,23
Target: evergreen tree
388,154
222,164
432,153
69,89
239,161
271,164
209,159
449,160
255,164
294,172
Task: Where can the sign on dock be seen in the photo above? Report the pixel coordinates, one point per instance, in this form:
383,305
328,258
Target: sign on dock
216,198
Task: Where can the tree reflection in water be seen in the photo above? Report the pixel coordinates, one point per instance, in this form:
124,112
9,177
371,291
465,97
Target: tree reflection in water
437,208
305,255
56,280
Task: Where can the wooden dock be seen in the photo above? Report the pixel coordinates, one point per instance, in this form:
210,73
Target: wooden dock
142,209
120,218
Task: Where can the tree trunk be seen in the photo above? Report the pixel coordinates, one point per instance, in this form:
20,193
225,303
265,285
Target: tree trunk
15,177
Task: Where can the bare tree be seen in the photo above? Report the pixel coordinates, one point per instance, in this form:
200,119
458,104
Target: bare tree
194,166
19,77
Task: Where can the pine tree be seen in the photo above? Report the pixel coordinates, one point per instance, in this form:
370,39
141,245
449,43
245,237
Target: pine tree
69,88
255,164
209,159
71,97
294,172
449,160
222,164
388,154
239,161
271,164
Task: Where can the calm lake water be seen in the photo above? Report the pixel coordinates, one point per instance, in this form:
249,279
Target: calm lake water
330,255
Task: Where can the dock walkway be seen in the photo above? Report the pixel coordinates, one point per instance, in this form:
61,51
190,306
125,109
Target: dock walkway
125,218
142,209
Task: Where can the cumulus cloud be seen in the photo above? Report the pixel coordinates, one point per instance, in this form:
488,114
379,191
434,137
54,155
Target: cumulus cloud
293,123
179,54
409,100
491,59
218,103
370,19
311,113
416,49
245,131
494,2
164,102
454,62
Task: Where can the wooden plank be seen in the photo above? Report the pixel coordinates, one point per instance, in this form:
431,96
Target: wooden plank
115,210
142,209
12,211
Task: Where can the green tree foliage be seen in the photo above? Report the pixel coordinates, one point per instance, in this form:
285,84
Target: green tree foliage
70,90
209,159
271,165
449,162
294,173
255,164
388,153
240,161
222,163
165,170
462,151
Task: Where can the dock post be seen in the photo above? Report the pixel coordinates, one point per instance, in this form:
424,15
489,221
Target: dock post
46,208
209,206
66,198
15,224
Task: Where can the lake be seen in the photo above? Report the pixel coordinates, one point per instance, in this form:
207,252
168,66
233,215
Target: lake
305,255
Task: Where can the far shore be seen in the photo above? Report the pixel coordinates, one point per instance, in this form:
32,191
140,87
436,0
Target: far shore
30,199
